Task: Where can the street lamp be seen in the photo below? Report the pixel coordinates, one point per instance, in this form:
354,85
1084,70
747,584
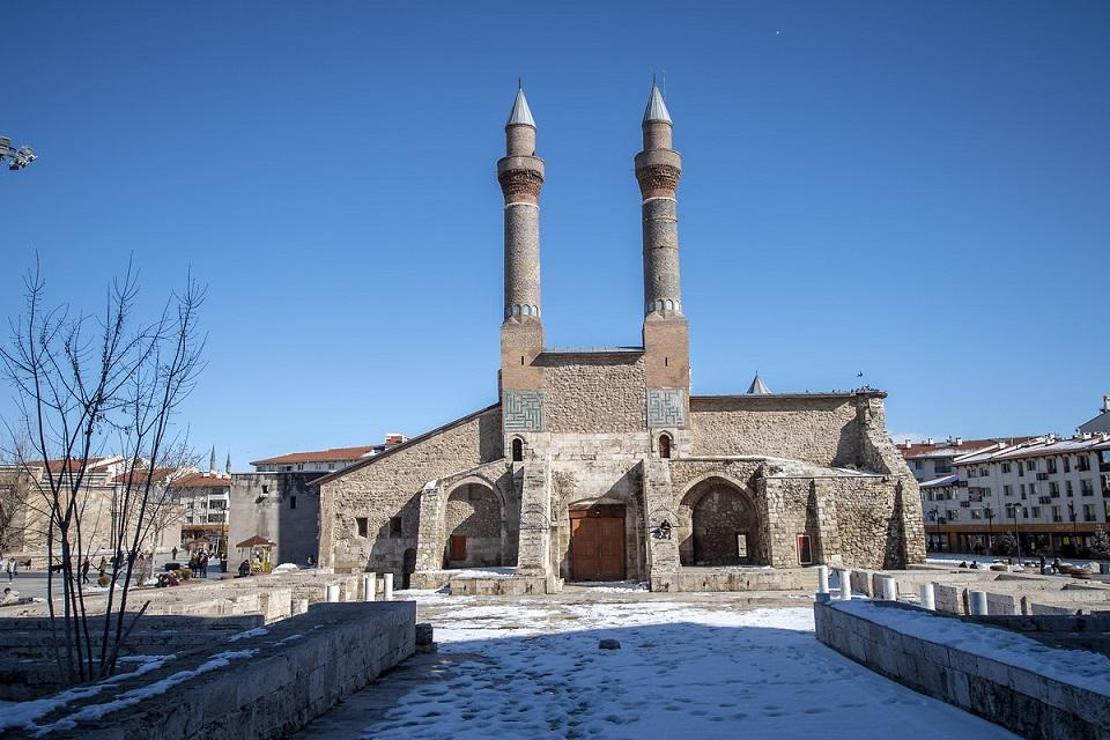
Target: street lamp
1017,529
18,158
1074,530
988,512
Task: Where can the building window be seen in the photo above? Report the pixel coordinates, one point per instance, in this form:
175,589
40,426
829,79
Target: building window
292,502
1007,490
1068,489
973,473
265,489
1005,467
1036,512
917,465
665,446
1085,487
1054,489
976,513
1082,463
1030,464
1056,514
395,526
1051,463
805,550
1067,464
518,450
363,526
1088,512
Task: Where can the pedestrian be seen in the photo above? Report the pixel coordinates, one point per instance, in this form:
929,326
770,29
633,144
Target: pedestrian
15,567
85,566
204,564
174,552
11,567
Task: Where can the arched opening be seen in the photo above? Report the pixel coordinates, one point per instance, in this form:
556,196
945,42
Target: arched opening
518,449
720,527
473,526
665,446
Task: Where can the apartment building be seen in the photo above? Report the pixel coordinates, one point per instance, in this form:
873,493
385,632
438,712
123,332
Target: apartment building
1051,493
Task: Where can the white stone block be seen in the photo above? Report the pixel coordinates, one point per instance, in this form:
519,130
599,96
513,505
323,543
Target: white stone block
822,579
388,577
888,589
977,602
370,587
331,593
928,598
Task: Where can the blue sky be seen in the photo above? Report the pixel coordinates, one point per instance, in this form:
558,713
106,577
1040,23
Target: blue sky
917,191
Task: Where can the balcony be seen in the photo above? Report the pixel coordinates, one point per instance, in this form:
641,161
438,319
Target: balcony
1042,476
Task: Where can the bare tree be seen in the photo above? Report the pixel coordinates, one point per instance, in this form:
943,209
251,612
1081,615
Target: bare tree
84,385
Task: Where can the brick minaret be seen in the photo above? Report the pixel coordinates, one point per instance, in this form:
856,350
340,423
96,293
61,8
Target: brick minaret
520,173
666,339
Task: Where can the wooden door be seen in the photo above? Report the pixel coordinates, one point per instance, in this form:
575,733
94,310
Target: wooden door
596,547
458,547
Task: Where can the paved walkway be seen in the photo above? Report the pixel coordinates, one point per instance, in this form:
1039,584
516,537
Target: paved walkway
689,665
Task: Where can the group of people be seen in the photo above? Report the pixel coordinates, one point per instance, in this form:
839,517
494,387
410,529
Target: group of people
198,564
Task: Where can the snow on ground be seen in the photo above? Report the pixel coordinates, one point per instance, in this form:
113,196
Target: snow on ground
1086,669
689,666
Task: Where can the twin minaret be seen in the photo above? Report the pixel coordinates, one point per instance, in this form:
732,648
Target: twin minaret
658,168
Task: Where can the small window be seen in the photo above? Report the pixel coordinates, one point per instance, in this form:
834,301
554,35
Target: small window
395,526
363,526
518,450
292,502
665,446
265,489
805,550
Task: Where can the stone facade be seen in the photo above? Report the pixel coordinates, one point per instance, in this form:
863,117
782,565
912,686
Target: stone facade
282,507
601,464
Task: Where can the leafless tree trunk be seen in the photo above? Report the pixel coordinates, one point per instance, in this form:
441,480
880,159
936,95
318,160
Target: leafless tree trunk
87,385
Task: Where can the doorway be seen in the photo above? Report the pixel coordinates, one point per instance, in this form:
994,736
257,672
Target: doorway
597,543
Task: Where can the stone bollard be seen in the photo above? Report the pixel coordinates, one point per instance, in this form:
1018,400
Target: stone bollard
388,586
977,602
928,598
331,593
845,576
822,579
370,587
888,588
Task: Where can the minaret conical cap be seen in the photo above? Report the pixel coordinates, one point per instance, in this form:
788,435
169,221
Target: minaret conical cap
656,108
521,113
758,387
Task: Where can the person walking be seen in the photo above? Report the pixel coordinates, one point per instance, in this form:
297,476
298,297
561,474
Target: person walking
173,552
204,564
11,568
85,566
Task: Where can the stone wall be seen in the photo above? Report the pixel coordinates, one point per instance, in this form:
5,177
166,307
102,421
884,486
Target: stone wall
389,485
1028,703
474,513
593,392
819,429
282,507
262,686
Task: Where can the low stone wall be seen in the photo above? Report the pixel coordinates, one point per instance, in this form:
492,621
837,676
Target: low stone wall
471,585
265,685
742,579
1028,703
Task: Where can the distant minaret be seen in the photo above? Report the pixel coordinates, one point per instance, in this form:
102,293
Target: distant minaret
520,173
666,337
212,460
227,463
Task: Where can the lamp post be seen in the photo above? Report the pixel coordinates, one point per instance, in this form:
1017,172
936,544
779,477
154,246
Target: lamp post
18,158
988,512
1074,530
1017,529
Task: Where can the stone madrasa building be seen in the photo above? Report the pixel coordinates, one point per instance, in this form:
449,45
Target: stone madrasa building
601,465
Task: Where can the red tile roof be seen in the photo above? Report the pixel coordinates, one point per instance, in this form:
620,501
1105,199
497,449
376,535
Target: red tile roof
949,448
160,475
336,454
202,480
